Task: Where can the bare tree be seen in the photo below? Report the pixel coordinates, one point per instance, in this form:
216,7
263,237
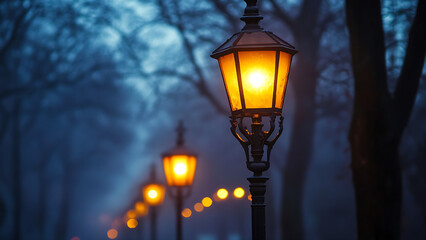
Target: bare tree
380,116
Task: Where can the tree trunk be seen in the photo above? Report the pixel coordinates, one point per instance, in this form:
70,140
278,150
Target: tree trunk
377,181
17,178
379,117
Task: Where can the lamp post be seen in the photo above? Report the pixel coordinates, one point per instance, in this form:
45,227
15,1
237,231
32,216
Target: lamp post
179,167
255,65
141,210
153,194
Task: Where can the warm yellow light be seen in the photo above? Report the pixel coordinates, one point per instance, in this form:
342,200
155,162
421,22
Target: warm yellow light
198,207
186,212
207,202
131,214
222,193
141,209
239,192
153,194
112,233
249,197
180,169
256,79
132,223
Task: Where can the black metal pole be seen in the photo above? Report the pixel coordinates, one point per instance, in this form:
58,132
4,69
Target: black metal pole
153,223
179,204
140,231
258,219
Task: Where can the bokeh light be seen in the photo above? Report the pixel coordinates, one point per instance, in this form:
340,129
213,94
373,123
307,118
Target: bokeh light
207,202
141,208
222,193
186,212
132,223
152,193
112,233
131,214
198,207
249,197
239,192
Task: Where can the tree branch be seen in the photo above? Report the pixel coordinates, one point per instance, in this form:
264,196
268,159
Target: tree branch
409,79
284,16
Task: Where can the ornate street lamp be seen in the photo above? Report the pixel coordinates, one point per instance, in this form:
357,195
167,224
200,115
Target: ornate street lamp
153,194
179,167
255,65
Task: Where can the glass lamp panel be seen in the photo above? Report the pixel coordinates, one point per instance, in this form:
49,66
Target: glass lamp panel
229,73
257,77
283,69
168,170
192,163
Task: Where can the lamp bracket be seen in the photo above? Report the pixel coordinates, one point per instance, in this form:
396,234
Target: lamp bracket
185,191
257,139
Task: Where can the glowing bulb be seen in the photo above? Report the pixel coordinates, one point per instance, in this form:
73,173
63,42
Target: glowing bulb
207,202
186,212
239,192
132,223
180,169
112,233
222,193
198,207
256,79
131,214
152,193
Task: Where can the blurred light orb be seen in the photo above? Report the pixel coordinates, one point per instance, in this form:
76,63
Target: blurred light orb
152,193
222,193
131,214
249,197
141,208
198,207
132,223
112,233
239,192
186,212
207,202
180,169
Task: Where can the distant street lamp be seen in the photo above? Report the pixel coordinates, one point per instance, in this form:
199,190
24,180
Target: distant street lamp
179,167
153,195
255,65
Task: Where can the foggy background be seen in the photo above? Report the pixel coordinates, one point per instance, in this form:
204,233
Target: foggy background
91,93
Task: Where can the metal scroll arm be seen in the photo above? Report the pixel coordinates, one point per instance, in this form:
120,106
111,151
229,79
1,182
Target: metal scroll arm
243,143
271,143
271,128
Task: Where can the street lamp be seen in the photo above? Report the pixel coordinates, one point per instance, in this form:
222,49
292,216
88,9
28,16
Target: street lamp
179,167
153,195
255,65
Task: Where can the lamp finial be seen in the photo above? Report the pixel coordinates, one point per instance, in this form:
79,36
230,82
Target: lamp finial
251,17
180,131
152,174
